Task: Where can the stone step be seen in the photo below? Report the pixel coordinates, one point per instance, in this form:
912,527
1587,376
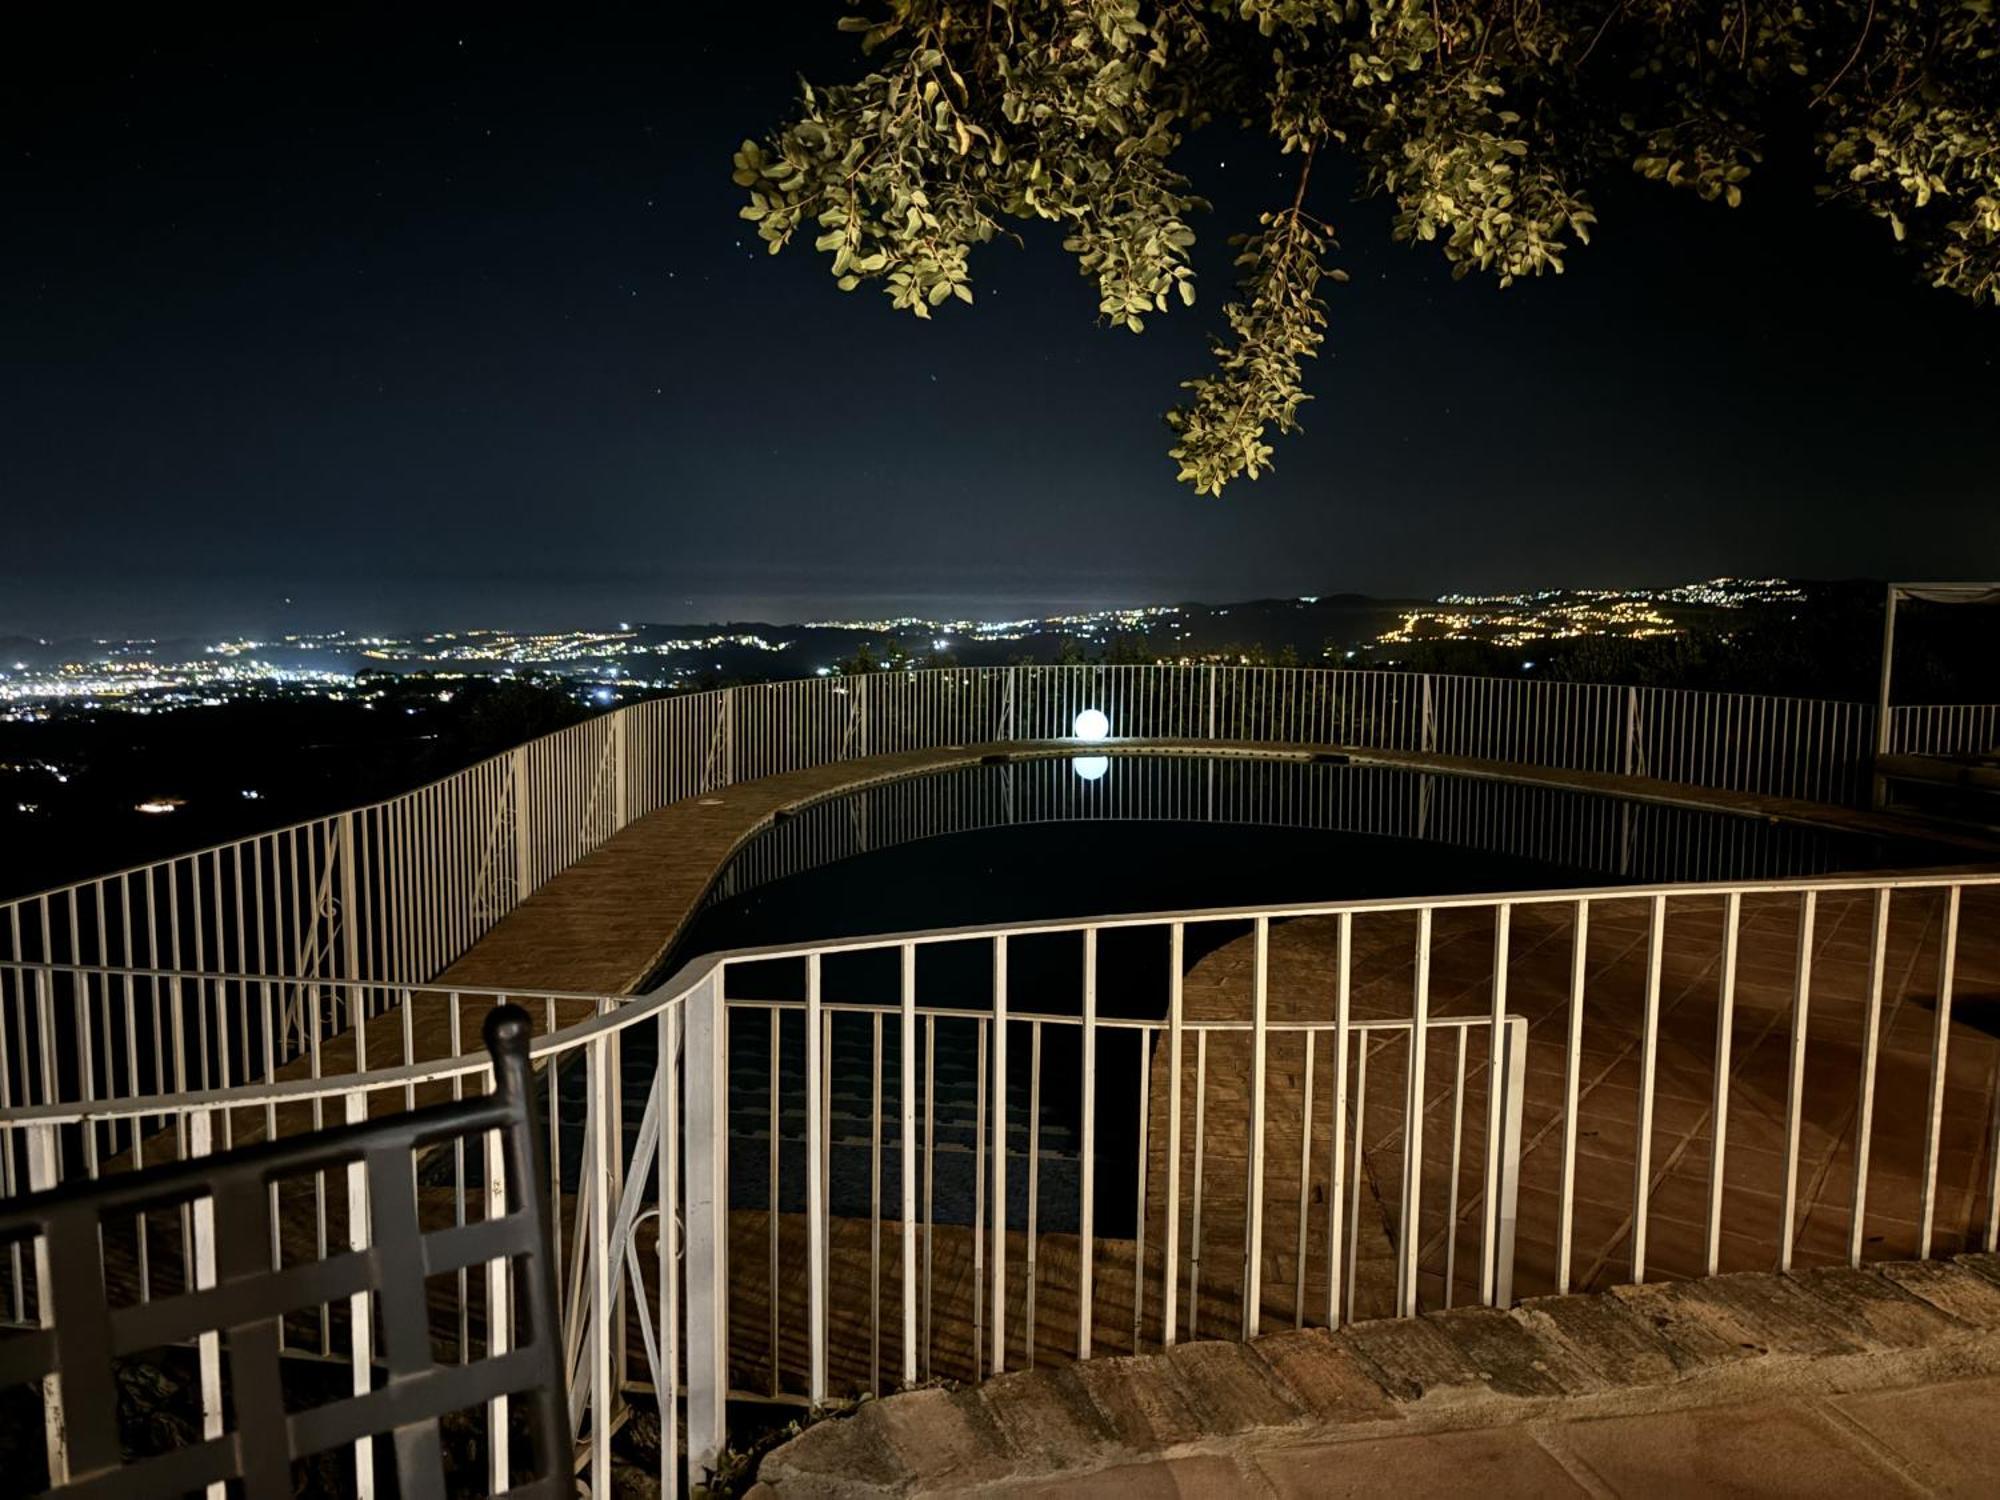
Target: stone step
1466,1367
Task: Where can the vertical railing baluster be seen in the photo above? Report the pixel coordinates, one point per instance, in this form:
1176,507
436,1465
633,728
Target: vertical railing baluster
1305,1185
1170,1288
605,1145
1571,1085
999,1255
1871,1043
1725,1027
706,1133
1451,1183
816,1190
1795,1085
1253,1224
1337,1159
1410,1229
1087,1166
1489,1258
1940,1044
906,1141
1139,1238
1649,1039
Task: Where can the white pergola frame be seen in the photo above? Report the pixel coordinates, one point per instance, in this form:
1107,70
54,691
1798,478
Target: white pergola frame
1936,593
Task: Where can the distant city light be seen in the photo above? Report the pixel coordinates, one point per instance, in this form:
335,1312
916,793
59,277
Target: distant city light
160,805
251,794
1091,724
1091,767
942,643
603,695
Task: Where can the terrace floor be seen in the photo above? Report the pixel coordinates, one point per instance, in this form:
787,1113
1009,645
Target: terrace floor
604,925
1825,1383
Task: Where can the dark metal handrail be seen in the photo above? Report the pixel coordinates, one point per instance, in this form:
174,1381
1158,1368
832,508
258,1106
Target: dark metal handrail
73,1353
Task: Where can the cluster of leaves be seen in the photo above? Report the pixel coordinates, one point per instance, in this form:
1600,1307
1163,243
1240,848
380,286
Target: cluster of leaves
1481,121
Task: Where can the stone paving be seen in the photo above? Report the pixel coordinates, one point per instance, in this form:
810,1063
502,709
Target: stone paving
1884,1381
603,925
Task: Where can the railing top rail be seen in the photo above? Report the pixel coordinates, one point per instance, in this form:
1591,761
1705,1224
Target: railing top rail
707,967
303,824
318,981
937,673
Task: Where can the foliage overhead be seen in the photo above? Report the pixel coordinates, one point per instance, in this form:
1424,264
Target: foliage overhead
1483,123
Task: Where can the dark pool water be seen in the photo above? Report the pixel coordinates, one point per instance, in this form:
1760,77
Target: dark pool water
1029,840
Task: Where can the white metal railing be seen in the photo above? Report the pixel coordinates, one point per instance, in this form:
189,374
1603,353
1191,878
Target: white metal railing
397,890
1944,729
883,1112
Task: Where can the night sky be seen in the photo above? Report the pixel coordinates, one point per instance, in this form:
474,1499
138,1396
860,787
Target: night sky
420,320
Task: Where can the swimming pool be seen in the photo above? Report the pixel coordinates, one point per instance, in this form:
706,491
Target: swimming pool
1027,839
1032,838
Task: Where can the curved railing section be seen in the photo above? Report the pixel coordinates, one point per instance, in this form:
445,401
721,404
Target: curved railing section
289,978
1944,729
947,1154
398,889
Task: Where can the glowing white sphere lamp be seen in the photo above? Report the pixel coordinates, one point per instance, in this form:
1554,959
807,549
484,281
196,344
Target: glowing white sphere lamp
1091,725
1090,767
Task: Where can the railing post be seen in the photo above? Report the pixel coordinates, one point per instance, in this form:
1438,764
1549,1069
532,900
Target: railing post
1208,694
1514,1081
351,919
606,1148
361,1322
523,855
1878,785
1170,1299
499,1305
1430,718
999,1252
1649,1039
1253,1231
728,765
44,1171
1087,1162
1631,736
619,771
906,1148
816,1188
1409,1225
706,1132
1496,1164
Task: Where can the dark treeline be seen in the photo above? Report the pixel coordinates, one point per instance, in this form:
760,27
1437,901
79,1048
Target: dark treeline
1829,649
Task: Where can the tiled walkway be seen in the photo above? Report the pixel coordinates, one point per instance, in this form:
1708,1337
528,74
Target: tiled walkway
1924,1440
1839,1383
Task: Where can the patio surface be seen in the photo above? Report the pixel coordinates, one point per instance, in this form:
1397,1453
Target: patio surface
1883,1381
